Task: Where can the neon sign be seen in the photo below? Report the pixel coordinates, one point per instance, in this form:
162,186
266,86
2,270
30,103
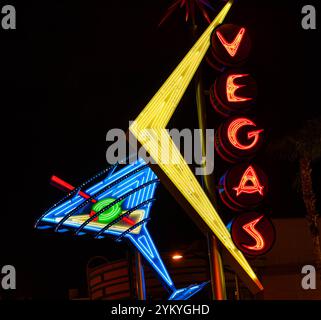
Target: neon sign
100,205
231,47
65,186
254,186
231,88
242,187
108,215
245,185
234,128
116,202
233,92
253,233
234,141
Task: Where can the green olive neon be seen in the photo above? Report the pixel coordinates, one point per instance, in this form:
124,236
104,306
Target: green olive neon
109,214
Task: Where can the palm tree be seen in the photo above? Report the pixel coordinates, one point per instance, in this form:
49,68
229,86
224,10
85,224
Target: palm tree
305,147
191,7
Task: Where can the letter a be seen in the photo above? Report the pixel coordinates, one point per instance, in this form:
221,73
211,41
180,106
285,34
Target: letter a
255,186
309,20
308,281
9,280
9,20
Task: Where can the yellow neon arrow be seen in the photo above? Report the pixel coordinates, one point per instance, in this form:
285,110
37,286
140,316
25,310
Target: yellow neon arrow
149,130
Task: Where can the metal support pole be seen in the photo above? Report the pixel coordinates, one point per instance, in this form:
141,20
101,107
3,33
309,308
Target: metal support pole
140,277
130,259
216,268
237,289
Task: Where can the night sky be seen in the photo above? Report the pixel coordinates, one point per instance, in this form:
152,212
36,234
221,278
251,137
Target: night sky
72,71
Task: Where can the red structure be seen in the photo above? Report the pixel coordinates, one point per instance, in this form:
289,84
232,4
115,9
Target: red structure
115,280
233,92
253,233
231,46
244,186
238,139
109,281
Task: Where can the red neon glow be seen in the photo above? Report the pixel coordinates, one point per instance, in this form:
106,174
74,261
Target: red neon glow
255,186
232,47
234,128
61,184
65,186
250,229
231,88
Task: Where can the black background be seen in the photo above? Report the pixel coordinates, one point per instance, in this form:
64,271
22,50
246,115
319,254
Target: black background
73,70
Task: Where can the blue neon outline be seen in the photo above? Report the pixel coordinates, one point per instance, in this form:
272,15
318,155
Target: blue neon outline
158,265
150,253
144,242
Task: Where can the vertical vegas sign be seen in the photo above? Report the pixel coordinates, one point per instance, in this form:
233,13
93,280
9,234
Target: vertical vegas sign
244,186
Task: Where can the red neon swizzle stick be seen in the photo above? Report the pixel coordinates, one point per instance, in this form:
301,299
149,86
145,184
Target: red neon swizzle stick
65,186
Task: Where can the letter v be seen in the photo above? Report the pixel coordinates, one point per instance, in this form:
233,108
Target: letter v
232,47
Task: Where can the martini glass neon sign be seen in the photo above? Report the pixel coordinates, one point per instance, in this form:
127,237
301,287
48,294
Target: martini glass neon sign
117,205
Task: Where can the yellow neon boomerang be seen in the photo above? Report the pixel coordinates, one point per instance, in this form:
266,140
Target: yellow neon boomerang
148,128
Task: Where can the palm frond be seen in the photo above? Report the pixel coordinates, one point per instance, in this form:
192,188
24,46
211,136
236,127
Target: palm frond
306,141
190,9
